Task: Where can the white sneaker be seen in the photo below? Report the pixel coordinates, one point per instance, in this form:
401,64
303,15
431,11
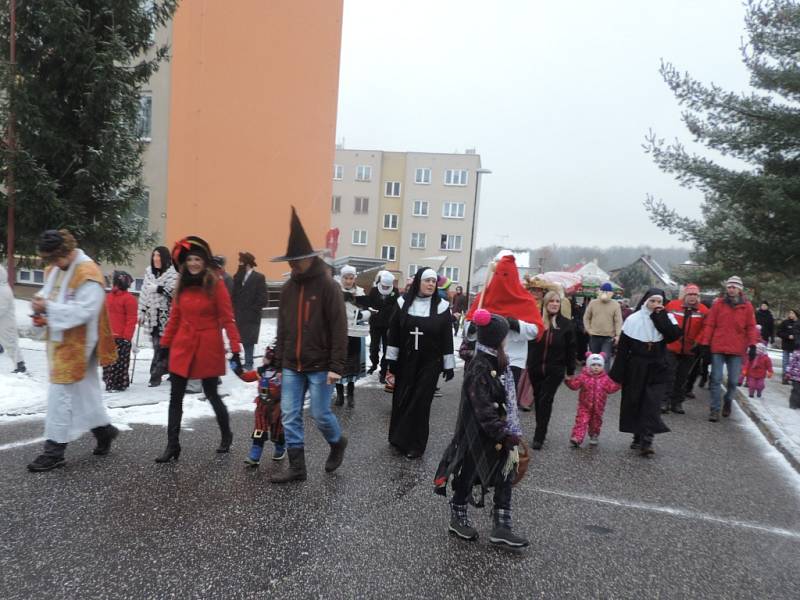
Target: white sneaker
593,440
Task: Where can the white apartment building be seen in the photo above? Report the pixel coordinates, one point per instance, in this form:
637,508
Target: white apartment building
411,209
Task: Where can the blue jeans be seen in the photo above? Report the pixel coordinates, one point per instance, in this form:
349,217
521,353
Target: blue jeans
733,362
602,343
248,356
293,389
785,364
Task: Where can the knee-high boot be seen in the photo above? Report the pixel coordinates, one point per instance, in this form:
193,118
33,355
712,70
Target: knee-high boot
173,449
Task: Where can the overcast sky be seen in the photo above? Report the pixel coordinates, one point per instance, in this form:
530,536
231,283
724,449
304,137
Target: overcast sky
556,97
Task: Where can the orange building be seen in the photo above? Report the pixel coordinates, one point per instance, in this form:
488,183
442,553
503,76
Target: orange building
240,125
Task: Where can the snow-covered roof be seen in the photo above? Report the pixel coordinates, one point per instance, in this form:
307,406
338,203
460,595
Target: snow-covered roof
660,272
591,269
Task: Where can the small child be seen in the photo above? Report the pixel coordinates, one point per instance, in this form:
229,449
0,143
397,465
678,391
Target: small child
793,375
757,370
268,423
594,385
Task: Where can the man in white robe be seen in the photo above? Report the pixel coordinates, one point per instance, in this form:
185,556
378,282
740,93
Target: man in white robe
9,335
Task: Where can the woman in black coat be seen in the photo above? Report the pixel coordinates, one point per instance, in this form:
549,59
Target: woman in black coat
641,369
550,358
789,332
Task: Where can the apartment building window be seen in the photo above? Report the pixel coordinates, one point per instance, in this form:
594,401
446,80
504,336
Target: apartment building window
452,273
390,221
145,118
336,204
30,276
455,177
451,242
359,237
419,240
338,172
392,189
388,253
363,173
422,176
361,205
453,210
420,208
412,270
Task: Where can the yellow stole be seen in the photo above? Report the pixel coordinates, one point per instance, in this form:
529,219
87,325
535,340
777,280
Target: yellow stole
68,362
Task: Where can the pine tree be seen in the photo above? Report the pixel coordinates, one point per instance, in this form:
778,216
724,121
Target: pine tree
750,215
75,100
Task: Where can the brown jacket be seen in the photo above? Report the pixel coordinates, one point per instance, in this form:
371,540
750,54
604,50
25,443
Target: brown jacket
312,326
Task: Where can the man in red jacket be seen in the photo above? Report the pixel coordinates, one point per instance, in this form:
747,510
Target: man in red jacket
730,331
689,313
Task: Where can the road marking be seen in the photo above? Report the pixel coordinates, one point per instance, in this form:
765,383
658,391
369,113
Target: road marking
11,445
675,512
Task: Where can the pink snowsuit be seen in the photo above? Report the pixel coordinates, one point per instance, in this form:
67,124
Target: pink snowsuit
757,370
594,390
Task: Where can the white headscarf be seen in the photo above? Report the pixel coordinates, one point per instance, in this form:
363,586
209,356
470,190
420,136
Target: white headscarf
639,326
428,274
347,270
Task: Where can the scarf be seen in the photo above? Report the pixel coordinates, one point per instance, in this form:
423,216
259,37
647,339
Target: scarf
513,426
57,335
639,326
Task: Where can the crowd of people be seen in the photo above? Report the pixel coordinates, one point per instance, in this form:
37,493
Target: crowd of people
518,346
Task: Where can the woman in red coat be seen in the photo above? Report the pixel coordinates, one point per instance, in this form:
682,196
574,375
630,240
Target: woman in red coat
193,337
122,310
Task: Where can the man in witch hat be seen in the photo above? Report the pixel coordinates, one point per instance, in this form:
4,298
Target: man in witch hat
310,351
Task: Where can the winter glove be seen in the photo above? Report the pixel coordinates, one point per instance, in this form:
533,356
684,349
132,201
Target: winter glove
160,289
751,353
448,374
513,324
704,351
236,363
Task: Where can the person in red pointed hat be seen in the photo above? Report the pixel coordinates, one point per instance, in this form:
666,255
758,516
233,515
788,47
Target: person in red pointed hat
310,351
505,296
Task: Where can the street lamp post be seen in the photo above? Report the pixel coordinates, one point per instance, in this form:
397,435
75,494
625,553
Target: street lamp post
478,174
11,144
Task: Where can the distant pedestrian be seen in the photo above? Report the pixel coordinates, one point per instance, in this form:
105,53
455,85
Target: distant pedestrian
71,306
625,308
793,375
603,323
382,301
155,301
689,313
122,311
356,306
249,297
728,331
642,371
595,385
484,452
789,332
219,263
310,351
201,310
758,369
420,349
9,333
765,318
459,308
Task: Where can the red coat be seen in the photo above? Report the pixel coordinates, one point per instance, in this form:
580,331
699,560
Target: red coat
760,367
691,332
122,308
729,329
194,332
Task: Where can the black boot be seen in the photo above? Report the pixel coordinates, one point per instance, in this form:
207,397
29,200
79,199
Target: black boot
170,453
104,435
225,444
677,408
501,533
339,395
296,470
350,391
20,367
51,458
636,444
173,450
460,524
336,455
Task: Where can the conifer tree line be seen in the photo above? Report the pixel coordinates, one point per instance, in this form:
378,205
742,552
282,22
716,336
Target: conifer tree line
74,95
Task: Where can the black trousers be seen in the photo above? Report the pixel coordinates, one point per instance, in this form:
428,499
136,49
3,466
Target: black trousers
679,365
544,392
176,395
462,486
377,346
699,368
517,372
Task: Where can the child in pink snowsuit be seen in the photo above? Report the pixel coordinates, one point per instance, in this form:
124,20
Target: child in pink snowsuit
594,385
757,370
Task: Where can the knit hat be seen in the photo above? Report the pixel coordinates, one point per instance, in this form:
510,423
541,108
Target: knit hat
595,359
121,280
735,282
761,348
691,288
247,259
299,246
606,287
494,332
347,270
219,261
53,244
443,283
191,245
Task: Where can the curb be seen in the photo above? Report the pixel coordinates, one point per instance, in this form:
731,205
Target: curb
766,424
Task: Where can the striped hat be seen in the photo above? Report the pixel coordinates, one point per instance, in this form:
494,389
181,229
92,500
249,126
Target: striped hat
735,282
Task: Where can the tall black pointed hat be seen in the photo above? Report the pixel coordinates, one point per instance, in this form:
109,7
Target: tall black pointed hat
299,246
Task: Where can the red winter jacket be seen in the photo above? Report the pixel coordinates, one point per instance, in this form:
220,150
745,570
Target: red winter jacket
593,388
729,329
690,328
194,332
122,310
760,367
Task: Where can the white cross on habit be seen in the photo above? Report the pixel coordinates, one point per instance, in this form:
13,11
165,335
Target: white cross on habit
416,333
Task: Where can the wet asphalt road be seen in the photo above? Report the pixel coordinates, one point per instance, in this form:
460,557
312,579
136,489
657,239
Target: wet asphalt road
711,516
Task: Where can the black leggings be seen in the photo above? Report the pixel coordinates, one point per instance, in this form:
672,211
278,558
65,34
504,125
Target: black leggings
176,407
544,392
